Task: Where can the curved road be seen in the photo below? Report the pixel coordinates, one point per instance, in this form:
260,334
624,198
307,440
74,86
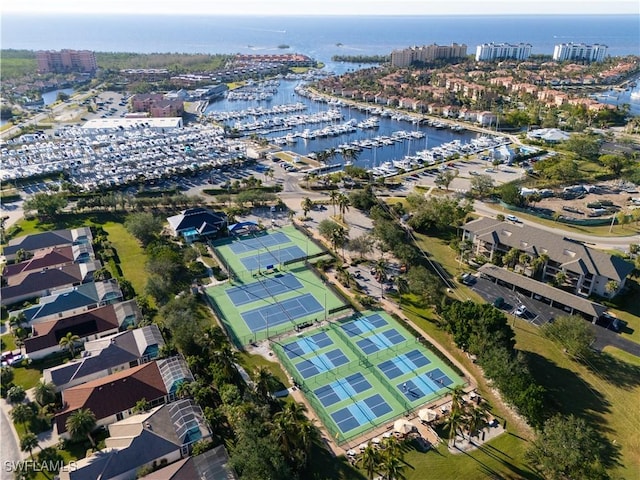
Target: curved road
605,243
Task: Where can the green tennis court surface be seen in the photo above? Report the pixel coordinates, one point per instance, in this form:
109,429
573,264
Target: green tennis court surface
363,372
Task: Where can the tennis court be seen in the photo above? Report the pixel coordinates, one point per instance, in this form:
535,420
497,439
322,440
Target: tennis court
278,256
270,286
363,372
281,312
259,242
257,251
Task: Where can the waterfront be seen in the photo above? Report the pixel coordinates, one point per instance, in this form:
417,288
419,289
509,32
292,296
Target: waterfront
368,157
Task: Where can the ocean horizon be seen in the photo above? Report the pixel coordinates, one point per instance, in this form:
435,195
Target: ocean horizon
320,37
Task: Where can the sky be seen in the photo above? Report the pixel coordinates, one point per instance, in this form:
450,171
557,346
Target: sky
324,7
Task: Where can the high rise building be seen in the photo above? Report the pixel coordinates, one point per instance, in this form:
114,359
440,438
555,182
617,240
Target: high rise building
502,51
63,61
427,53
579,51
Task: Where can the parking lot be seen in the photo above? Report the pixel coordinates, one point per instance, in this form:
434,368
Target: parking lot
538,313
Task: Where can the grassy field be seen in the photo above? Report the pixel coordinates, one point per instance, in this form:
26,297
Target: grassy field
250,362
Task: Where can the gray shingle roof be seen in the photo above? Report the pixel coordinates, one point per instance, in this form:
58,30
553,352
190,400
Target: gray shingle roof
559,248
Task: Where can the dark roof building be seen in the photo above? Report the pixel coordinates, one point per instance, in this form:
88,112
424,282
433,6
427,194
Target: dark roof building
198,223
55,238
37,283
88,325
107,355
112,398
72,300
210,465
51,258
588,271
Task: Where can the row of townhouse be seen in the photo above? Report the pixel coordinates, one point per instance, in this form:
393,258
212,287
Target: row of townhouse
119,365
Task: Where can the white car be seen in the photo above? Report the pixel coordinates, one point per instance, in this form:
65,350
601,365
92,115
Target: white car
520,311
512,218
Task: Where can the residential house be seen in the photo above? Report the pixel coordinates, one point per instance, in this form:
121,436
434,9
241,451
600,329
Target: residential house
51,258
64,302
588,271
89,325
37,283
198,224
210,465
108,355
55,238
112,398
160,436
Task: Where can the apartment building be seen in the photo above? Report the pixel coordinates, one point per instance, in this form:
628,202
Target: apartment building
64,61
488,52
579,51
427,53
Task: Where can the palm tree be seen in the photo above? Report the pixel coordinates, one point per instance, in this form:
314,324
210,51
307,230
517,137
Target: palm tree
48,456
453,422
369,460
28,443
45,393
333,196
350,155
68,342
511,257
402,285
391,468
307,205
611,287
287,428
380,269
476,420
80,424
22,414
264,382
338,237
560,278
343,205
16,321
290,214
184,389
456,398
225,360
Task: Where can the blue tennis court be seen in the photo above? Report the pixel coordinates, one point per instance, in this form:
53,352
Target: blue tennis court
380,341
321,363
281,312
424,384
402,364
307,345
256,243
359,413
342,389
268,287
363,325
272,257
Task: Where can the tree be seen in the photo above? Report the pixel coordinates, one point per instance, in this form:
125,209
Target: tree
511,257
343,204
453,422
142,406
584,146
307,205
46,205
16,394
45,393
22,414
574,334
6,376
380,269
476,420
363,245
569,448
144,226
510,194
391,468
369,460
402,285
28,442
16,321
444,178
482,185
560,278
80,424
333,197
611,287
68,342
264,383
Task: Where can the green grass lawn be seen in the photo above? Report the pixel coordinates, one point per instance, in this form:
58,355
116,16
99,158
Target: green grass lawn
250,362
131,254
8,342
606,392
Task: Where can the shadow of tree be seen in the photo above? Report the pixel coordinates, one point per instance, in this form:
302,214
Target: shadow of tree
614,371
567,392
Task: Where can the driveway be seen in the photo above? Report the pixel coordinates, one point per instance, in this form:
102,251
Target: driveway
538,313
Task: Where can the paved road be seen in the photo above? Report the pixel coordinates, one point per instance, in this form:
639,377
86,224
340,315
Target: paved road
9,451
605,243
538,313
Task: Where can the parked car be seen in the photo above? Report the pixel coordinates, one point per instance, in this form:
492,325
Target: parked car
498,302
512,218
520,311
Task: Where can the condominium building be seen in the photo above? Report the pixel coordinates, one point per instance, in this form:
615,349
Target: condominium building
501,51
427,53
63,61
579,51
